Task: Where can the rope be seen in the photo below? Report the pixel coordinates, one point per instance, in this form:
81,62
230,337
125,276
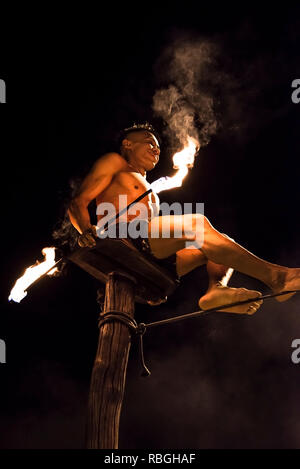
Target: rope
140,332
141,328
213,310
124,318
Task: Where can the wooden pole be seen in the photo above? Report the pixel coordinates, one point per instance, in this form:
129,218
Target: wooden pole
109,371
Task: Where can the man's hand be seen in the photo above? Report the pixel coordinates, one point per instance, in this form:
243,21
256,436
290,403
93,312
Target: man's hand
88,238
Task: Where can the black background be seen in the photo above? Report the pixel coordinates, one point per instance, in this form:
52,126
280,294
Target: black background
218,382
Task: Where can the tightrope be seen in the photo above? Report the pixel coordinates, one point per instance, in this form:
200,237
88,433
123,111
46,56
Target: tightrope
202,312
142,327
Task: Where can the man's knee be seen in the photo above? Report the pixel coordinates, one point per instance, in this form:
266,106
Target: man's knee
194,226
200,222
228,237
197,217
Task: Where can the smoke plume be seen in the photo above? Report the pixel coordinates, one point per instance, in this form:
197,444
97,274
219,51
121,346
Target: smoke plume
186,103
211,85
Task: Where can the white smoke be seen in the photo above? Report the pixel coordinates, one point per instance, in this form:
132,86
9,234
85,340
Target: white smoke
186,104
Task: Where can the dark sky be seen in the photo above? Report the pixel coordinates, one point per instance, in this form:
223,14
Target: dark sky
218,382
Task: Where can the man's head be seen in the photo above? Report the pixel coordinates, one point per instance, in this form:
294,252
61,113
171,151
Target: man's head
139,145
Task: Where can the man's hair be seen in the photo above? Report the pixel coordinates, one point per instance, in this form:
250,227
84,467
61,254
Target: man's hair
136,128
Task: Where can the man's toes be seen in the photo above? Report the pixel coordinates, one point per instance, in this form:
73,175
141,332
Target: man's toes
254,294
243,294
257,305
251,310
253,307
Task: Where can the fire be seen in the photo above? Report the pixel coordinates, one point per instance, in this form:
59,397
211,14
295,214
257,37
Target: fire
185,158
182,160
32,273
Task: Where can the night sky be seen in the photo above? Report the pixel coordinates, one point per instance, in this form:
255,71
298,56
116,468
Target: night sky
223,381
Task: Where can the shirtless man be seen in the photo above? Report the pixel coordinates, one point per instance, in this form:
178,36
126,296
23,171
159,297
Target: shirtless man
124,173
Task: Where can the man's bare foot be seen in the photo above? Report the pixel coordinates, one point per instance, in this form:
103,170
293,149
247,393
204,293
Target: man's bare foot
221,295
288,280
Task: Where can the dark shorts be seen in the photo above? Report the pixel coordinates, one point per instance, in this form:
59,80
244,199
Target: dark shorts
142,244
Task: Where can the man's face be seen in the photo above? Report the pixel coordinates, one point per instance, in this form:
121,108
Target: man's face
142,149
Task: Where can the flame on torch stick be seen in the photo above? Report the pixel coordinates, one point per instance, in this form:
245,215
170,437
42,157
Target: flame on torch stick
34,273
182,160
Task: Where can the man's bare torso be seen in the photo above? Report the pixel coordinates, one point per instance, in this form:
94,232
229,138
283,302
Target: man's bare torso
131,184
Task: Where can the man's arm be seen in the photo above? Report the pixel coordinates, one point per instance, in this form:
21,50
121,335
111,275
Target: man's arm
98,179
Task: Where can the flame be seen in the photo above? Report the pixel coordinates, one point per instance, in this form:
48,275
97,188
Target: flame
32,273
185,158
182,160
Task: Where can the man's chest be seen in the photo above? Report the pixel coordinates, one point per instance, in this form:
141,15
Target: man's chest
134,185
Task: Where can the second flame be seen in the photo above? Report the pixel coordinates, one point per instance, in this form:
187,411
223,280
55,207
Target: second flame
32,273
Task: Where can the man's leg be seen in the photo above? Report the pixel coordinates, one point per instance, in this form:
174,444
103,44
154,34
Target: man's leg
219,249
218,293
